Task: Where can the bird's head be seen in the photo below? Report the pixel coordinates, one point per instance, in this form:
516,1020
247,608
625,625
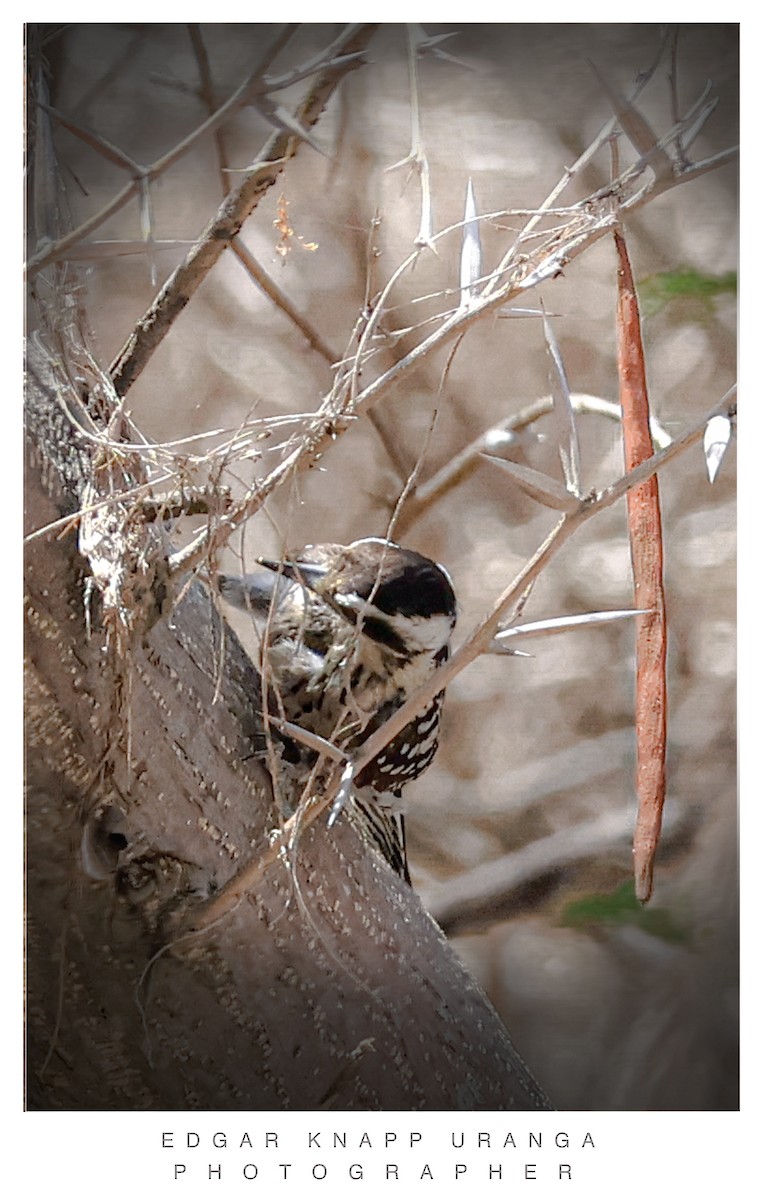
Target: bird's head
394,596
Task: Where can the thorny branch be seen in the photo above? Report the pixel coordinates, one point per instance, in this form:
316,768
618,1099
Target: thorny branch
503,436
568,524
347,401
352,395
476,644
243,96
417,156
592,218
254,269
349,397
228,221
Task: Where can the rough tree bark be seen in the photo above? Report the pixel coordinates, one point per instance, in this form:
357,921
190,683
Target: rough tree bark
329,988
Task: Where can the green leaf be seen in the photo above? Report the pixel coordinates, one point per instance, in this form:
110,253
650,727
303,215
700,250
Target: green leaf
621,907
656,291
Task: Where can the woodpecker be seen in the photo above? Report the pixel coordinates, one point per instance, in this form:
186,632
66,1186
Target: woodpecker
349,633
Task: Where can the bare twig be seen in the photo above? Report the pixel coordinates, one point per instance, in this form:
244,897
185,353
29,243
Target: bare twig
601,138
417,156
96,142
478,642
281,300
334,412
207,94
118,248
223,228
348,398
638,129
240,99
382,427
501,437
248,260
675,105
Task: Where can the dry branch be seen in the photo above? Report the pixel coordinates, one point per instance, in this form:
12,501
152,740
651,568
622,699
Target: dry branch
240,99
479,640
348,399
228,221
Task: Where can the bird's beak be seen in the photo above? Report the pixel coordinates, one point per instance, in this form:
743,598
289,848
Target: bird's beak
308,574
254,592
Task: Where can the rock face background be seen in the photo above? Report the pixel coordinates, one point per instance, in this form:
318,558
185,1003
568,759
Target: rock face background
611,1007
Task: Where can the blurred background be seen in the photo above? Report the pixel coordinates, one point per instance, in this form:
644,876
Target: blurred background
520,834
